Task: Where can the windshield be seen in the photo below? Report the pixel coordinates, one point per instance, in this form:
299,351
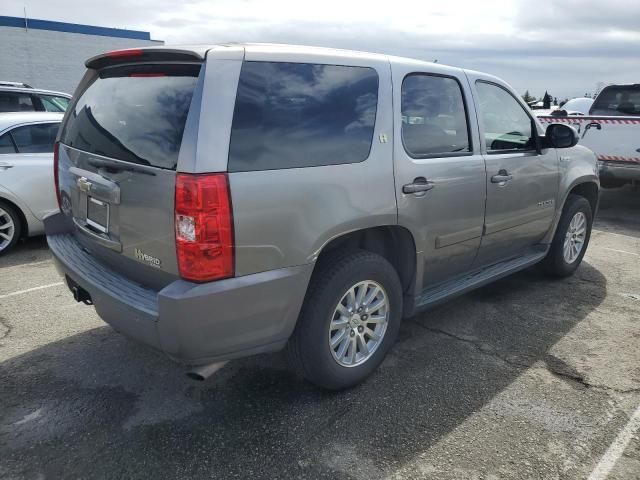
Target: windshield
136,114
618,100
580,105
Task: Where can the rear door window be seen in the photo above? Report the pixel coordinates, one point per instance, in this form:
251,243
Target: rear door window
16,102
136,114
38,138
434,119
6,144
290,115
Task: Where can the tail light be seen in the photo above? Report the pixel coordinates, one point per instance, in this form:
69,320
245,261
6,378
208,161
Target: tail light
204,227
56,173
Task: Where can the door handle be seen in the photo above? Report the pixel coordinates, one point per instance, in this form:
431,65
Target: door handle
502,177
419,185
595,125
5,166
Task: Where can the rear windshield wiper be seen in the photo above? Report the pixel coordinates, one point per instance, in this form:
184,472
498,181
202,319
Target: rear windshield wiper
112,166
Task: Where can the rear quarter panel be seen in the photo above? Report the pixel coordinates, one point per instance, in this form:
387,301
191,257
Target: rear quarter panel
284,217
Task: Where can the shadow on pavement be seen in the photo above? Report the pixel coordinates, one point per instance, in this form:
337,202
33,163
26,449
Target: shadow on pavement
98,405
26,251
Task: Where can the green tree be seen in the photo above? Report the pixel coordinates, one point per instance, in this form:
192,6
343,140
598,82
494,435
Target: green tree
528,98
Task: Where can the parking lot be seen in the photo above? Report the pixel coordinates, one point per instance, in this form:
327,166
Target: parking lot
524,378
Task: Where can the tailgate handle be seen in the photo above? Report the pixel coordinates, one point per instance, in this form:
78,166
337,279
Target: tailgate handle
96,185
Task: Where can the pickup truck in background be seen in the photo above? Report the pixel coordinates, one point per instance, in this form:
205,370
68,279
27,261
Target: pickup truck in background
612,131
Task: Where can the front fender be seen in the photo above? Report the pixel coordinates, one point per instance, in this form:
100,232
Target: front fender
578,165
34,226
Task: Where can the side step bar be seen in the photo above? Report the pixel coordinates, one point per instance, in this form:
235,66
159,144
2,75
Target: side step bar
482,277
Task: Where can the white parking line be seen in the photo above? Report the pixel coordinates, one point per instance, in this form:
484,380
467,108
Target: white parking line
616,449
41,262
622,251
20,292
612,233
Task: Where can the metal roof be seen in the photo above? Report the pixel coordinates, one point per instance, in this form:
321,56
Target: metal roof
37,24
33,91
8,120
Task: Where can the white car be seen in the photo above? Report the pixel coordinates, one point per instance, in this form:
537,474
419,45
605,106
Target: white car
27,193
611,129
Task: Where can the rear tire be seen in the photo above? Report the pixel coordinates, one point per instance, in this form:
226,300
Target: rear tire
359,282
10,227
571,238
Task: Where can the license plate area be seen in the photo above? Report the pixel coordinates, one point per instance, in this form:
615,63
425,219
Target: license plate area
97,215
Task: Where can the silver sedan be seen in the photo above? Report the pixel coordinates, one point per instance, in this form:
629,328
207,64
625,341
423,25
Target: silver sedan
27,193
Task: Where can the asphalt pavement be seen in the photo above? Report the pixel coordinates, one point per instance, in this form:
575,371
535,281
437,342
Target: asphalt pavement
526,378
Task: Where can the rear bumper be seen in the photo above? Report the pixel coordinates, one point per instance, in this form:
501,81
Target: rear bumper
618,171
193,323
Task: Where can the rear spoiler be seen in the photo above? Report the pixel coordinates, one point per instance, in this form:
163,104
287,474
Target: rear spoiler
144,55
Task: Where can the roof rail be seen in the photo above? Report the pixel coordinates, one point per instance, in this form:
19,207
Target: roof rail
4,83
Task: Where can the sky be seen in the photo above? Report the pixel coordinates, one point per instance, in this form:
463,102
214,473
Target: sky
563,46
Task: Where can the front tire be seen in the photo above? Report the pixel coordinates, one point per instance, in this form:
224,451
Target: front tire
10,228
349,320
571,238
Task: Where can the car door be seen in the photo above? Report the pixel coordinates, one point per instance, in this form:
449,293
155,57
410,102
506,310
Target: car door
439,170
26,165
522,179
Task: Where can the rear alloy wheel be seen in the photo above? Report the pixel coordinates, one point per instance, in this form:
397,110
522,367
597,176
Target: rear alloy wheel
349,320
359,324
9,228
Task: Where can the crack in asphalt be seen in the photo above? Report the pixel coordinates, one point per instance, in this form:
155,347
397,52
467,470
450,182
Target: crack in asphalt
478,347
7,326
554,365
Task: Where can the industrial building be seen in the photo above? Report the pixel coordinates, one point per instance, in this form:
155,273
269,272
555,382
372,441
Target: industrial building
51,55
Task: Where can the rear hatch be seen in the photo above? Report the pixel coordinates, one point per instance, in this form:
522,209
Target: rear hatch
118,155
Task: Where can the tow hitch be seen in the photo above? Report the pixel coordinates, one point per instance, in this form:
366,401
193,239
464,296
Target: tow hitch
79,294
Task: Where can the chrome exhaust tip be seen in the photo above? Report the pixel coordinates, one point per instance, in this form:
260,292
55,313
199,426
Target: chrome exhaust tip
202,372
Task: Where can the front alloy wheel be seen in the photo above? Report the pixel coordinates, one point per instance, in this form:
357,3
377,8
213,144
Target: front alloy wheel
571,238
575,237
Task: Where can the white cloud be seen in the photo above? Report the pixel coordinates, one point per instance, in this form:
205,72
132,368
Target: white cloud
564,46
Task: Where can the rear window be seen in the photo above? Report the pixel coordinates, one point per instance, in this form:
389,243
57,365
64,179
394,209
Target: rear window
136,114
290,115
623,100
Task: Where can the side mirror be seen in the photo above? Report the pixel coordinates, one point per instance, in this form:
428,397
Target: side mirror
559,135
